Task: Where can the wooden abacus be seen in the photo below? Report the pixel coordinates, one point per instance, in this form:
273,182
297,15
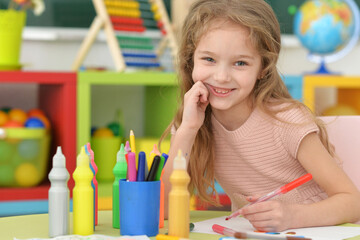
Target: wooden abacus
130,16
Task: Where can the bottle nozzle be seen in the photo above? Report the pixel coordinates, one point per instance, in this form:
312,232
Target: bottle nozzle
82,158
179,161
59,158
120,157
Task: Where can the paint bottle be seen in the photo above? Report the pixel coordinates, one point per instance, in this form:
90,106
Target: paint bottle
83,196
94,182
179,199
59,196
120,171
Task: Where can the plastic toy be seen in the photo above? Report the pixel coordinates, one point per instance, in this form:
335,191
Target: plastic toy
29,149
18,115
26,175
103,132
340,109
34,122
3,118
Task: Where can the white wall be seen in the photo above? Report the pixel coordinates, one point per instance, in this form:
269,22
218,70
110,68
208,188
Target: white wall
55,50
49,49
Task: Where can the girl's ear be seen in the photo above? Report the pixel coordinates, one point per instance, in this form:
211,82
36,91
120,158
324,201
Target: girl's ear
261,74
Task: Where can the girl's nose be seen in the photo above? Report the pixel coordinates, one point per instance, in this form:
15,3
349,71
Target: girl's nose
222,74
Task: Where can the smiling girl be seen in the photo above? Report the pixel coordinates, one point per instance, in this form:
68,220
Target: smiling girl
237,123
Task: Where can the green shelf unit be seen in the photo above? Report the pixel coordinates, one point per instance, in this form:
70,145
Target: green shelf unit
160,99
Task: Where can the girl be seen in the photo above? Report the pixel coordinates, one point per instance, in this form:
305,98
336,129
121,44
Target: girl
238,124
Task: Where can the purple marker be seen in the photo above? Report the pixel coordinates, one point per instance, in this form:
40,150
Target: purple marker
131,167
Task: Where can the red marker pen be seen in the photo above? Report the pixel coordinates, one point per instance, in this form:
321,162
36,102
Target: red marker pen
284,189
245,235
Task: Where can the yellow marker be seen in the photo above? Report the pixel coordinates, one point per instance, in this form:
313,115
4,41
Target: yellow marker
132,145
132,141
179,199
83,196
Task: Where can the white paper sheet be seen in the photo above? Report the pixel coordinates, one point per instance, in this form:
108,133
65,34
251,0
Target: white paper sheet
242,225
91,237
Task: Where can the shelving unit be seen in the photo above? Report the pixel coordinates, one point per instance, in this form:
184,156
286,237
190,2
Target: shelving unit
347,90
56,97
160,92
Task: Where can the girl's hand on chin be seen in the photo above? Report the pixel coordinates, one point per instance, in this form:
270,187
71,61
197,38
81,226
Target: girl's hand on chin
195,103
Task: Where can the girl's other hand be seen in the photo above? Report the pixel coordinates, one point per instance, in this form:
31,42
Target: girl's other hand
195,103
268,216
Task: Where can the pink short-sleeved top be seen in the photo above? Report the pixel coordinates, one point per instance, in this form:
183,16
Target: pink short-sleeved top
261,156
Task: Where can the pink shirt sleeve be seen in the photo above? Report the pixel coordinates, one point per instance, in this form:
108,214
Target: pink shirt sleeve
298,123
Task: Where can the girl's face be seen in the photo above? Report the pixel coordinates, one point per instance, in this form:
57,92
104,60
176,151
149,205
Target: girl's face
228,65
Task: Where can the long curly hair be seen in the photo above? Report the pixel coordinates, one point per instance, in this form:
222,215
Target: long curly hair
259,18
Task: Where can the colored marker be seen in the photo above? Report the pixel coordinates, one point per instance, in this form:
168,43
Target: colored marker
155,149
132,144
244,235
154,167
132,141
131,167
165,156
127,147
160,168
281,190
141,166
153,153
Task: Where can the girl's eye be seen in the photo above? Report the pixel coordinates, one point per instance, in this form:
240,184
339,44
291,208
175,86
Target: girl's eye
240,63
209,59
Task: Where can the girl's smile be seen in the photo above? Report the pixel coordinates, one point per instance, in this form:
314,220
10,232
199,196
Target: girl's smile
219,92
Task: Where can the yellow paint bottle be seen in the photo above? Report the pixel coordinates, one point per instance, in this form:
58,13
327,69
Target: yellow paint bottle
179,199
83,196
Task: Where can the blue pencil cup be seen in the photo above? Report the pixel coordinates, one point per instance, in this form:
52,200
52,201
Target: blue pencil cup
139,208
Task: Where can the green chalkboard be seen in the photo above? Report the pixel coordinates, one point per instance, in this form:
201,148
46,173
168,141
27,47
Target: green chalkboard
80,13
283,11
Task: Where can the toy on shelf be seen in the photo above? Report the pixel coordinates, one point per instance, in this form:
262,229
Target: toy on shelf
340,109
133,30
105,142
24,148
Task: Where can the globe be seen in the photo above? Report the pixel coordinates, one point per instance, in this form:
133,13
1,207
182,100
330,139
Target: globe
328,29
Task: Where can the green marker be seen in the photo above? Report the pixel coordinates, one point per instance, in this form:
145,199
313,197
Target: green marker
160,168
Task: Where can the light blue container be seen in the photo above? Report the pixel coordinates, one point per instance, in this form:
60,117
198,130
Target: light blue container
139,208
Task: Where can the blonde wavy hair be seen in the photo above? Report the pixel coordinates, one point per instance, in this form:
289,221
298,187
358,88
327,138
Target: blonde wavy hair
265,35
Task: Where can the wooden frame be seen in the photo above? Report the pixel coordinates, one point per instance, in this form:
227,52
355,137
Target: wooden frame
102,20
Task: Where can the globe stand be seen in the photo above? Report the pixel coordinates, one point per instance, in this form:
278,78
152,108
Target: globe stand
324,70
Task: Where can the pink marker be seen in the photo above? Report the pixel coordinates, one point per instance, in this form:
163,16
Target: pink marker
131,167
127,147
281,190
